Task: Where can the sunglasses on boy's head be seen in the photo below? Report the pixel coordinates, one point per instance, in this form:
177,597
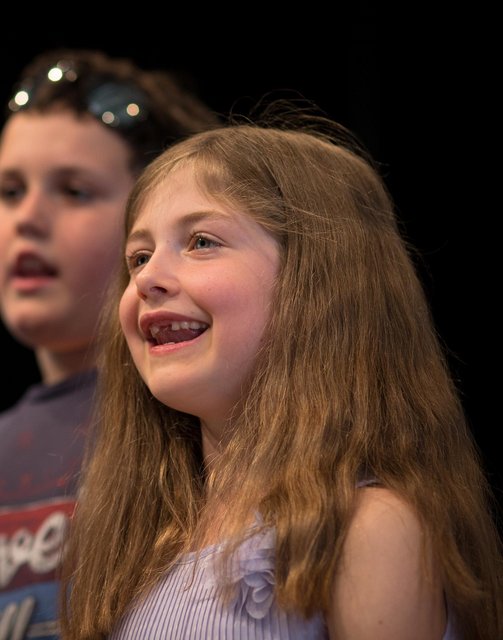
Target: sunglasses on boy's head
116,103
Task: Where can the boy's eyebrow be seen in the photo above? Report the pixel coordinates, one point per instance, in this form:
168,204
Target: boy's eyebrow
61,171
184,221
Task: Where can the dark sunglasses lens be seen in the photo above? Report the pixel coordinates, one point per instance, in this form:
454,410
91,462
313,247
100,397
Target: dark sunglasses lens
117,104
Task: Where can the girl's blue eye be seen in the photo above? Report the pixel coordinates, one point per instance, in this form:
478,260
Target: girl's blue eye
200,241
141,260
136,260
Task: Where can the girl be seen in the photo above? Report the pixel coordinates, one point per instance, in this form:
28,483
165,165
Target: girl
281,450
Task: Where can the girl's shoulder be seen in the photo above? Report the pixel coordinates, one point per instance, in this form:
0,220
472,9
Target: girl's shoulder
380,507
386,582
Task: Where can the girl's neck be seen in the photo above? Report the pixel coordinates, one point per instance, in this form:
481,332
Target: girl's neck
212,444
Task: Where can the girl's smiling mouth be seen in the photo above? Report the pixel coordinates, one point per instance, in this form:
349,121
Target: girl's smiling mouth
166,328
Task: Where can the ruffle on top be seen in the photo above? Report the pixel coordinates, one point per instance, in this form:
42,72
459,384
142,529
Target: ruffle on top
253,574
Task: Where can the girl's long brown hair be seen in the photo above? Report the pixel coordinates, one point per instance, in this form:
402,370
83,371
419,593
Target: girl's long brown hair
351,381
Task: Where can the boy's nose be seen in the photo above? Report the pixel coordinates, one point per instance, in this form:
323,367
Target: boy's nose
32,215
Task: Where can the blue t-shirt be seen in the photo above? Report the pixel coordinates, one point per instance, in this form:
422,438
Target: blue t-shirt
41,449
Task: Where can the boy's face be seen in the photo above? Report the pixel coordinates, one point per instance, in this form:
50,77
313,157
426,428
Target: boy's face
64,183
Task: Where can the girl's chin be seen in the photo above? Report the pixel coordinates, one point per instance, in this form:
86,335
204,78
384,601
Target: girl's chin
173,399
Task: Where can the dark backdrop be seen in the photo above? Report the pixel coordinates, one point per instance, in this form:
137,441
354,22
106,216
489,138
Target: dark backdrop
415,84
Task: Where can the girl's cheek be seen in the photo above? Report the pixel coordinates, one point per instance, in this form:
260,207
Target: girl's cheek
126,310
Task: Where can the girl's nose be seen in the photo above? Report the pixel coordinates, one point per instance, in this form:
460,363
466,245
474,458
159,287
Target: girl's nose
155,280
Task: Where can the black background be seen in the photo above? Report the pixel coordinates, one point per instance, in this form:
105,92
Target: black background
417,84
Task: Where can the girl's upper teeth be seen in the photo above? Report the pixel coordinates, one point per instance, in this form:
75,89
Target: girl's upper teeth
176,326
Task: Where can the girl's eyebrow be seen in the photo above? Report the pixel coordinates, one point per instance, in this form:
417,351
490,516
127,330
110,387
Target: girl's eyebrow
139,234
185,221
198,216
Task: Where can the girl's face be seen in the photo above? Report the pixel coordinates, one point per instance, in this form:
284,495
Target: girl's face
63,187
200,293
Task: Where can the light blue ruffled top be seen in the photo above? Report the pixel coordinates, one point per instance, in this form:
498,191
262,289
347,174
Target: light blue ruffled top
186,603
